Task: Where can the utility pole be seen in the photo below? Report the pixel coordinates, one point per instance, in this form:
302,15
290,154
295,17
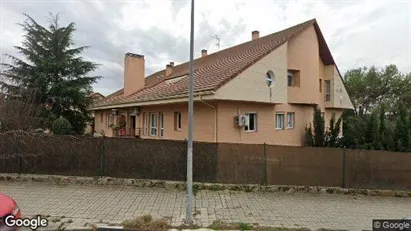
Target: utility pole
190,125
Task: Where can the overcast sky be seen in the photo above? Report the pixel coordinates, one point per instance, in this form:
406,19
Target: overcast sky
359,33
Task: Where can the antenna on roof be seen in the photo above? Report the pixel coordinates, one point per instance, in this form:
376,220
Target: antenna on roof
217,41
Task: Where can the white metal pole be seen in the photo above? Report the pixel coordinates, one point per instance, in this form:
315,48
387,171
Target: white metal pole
190,126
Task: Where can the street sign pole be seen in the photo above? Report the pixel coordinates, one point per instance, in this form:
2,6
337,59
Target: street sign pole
190,126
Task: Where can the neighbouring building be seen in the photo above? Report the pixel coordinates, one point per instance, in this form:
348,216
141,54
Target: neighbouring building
259,91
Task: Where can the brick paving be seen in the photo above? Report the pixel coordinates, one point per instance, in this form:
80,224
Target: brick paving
92,204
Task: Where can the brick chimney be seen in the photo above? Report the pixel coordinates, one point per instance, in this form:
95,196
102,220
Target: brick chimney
172,64
255,35
133,73
203,52
169,69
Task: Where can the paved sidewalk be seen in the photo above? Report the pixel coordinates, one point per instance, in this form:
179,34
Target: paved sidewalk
81,204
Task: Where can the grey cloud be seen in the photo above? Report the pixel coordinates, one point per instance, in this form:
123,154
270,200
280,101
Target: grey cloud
177,5
227,34
97,27
93,27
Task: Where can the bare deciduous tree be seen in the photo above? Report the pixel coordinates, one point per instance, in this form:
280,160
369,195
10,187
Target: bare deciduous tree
21,112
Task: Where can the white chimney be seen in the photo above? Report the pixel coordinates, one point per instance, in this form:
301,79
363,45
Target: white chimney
169,69
203,52
255,35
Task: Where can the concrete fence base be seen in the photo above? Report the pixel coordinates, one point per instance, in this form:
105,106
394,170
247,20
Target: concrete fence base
76,180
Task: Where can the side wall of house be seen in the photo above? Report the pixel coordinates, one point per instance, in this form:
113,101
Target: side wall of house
204,122
250,85
102,121
266,117
303,56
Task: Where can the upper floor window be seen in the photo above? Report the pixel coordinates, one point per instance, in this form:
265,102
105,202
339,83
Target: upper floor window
269,78
327,90
252,122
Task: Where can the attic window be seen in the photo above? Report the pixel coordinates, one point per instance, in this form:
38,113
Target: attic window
173,80
293,78
269,78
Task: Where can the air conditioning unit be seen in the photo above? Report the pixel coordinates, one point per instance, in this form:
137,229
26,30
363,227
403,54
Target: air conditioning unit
136,111
114,111
241,121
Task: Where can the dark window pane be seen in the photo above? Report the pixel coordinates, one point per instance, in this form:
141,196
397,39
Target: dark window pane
251,116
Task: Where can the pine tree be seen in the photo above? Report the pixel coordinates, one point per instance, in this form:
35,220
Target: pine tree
54,69
332,135
308,136
318,128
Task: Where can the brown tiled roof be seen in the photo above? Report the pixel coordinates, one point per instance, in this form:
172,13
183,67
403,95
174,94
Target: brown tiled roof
96,95
211,71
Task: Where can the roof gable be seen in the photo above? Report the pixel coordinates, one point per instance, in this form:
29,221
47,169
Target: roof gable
214,70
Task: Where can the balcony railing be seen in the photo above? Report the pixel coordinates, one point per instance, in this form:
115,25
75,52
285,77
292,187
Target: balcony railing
128,133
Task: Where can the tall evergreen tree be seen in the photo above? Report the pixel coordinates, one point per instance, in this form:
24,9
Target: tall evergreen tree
54,68
308,136
333,133
318,128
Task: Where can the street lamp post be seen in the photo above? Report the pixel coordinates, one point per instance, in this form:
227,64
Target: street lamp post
190,125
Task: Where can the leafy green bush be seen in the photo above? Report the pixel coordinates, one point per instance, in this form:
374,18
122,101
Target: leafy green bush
62,126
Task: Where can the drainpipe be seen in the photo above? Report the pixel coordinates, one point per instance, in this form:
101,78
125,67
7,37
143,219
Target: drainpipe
215,117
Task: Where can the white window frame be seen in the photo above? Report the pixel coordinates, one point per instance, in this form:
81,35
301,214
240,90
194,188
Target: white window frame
290,74
292,114
161,124
327,90
145,123
153,127
109,119
277,114
177,121
247,128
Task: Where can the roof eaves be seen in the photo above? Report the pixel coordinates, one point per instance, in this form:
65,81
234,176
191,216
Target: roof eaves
125,104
